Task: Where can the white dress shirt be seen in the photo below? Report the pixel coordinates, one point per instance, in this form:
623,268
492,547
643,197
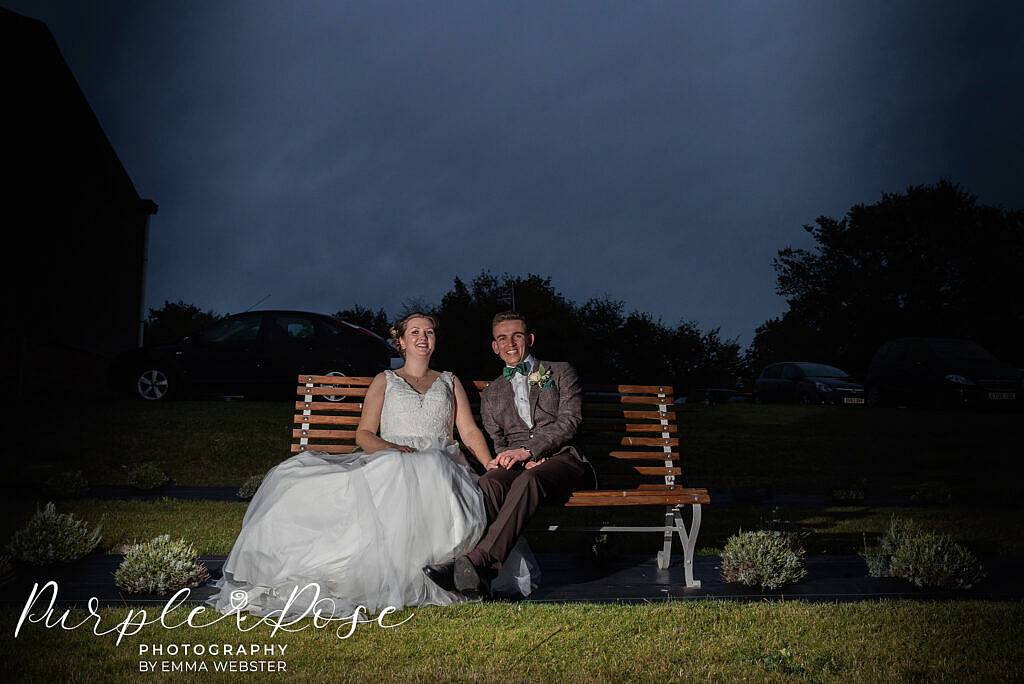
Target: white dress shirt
521,387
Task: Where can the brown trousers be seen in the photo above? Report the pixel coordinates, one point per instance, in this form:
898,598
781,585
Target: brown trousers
512,496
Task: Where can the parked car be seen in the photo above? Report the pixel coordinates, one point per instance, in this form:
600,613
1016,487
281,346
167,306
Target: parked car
806,383
939,372
253,353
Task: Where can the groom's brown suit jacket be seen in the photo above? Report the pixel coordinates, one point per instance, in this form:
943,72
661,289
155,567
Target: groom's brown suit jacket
557,412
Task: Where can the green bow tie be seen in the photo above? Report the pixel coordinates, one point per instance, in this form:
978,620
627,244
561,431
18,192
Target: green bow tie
509,371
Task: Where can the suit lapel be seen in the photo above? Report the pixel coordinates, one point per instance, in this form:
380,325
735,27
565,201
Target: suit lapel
534,393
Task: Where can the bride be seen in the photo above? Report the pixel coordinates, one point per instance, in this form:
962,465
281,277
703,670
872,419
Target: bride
360,526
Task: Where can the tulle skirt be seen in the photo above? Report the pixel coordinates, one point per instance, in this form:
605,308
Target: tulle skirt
359,527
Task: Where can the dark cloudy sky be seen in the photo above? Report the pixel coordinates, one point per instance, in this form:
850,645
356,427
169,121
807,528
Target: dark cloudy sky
333,153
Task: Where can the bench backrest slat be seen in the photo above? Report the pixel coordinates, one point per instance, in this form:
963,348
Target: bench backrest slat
623,426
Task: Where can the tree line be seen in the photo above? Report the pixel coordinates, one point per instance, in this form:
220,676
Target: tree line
930,262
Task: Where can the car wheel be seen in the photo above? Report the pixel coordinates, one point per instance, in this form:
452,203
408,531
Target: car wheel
334,397
873,397
757,399
154,384
805,400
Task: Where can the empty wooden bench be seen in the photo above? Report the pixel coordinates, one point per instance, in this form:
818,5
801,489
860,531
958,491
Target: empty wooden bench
629,433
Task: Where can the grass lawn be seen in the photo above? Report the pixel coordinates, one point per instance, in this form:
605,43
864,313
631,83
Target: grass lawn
790,449
721,641
195,442
810,449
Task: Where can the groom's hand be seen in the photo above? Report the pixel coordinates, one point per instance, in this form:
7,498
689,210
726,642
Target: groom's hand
508,459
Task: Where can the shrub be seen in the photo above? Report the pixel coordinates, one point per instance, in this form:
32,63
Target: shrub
147,476
878,563
901,530
879,557
932,493
877,560
160,566
769,559
248,489
923,557
51,537
935,560
70,483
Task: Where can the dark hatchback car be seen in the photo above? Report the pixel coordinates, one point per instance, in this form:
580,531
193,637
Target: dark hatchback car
940,372
258,353
806,383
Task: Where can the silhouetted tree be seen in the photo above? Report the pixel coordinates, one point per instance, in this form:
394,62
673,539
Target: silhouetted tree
465,314
176,320
377,321
930,262
605,345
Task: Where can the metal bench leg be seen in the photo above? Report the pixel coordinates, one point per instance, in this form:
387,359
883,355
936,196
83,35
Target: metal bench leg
665,555
689,540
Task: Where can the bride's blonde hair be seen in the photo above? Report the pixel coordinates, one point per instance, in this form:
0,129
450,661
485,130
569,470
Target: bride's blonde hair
400,326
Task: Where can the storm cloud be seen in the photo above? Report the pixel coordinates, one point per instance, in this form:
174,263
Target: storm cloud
326,154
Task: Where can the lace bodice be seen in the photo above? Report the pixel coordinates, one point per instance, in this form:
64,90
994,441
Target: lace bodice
415,419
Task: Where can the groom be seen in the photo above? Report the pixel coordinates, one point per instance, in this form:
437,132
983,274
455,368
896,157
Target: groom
531,412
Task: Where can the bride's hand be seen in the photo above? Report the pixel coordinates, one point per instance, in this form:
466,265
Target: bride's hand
509,458
403,448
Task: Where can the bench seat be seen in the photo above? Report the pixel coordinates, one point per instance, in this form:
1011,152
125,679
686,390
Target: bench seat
629,433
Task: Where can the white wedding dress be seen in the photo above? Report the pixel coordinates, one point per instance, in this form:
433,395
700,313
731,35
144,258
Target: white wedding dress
360,526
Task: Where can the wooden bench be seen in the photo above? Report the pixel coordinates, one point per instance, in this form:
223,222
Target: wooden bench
629,433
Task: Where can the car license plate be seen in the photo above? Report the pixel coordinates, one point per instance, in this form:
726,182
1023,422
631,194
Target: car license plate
853,400
1002,395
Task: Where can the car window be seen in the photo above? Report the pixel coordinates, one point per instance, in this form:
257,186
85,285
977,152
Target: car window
960,349
329,326
235,329
342,330
820,370
295,326
790,372
772,372
339,333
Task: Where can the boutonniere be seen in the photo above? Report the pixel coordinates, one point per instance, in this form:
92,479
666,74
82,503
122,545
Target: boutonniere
541,377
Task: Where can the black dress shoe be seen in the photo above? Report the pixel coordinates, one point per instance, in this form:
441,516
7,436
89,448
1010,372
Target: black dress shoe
471,581
443,575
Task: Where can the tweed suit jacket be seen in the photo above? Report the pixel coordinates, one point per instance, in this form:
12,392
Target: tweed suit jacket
556,411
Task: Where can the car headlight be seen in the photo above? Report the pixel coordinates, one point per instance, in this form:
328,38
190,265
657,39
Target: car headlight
822,387
958,379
